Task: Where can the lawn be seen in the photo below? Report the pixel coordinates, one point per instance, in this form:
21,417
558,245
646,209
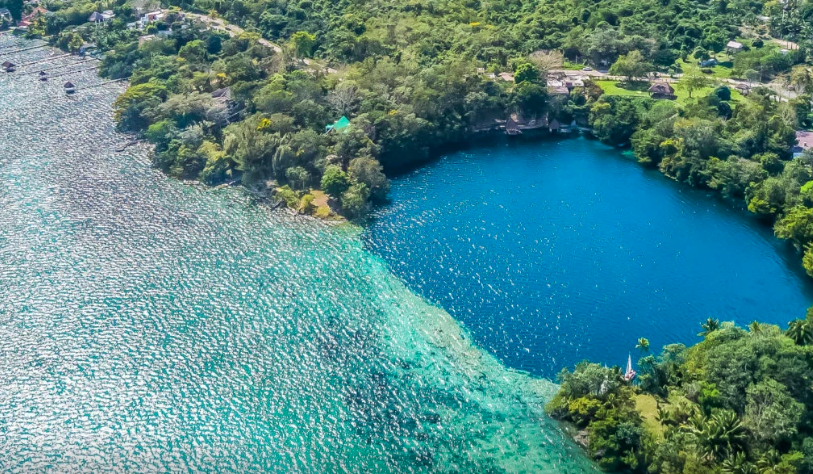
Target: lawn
572,66
648,408
722,70
639,89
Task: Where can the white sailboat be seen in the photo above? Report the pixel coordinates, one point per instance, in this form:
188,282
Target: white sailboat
629,374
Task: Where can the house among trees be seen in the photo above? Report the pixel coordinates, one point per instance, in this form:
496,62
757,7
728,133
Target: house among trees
743,88
662,90
804,141
96,17
86,48
35,14
733,46
150,17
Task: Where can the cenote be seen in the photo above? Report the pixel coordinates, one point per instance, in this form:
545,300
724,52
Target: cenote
557,251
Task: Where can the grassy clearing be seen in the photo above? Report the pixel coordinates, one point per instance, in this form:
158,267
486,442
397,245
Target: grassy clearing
320,202
572,66
723,69
648,408
639,89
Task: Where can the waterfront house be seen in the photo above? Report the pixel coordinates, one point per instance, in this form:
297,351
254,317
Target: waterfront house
511,126
662,90
804,141
8,66
554,126
86,48
733,46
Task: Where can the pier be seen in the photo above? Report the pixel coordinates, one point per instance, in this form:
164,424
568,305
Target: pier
45,60
53,68
64,73
20,50
103,83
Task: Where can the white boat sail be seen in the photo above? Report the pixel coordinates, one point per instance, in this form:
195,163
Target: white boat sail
629,374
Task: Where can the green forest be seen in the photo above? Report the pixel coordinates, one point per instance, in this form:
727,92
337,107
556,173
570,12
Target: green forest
738,402
415,76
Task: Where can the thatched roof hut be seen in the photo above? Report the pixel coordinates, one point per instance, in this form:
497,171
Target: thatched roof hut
662,90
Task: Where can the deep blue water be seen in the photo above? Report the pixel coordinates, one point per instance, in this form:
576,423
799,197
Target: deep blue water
556,251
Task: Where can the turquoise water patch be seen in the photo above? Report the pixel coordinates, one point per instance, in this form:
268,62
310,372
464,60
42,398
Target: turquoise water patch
149,326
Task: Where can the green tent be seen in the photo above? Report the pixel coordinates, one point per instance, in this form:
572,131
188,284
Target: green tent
340,124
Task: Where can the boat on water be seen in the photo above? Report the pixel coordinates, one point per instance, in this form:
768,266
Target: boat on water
69,88
43,76
629,374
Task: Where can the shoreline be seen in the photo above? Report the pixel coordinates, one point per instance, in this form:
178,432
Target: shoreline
512,400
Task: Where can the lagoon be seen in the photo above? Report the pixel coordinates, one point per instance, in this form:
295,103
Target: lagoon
562,250
147,325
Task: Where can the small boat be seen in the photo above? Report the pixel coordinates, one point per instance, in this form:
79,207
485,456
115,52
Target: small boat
69,88
9,67
43,76
629,374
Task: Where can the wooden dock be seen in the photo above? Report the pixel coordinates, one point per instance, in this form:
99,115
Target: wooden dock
64,73
51,58
20,50
103,83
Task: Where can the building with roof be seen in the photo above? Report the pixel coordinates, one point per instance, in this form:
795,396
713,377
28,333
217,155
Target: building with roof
662,90
804,141
733,46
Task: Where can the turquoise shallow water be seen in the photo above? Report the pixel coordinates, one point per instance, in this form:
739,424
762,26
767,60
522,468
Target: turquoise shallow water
150,326
556,251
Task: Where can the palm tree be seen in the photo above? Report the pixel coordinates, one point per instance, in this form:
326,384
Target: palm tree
769,461
801,331
709,327
720,435
738,464
755,327
643,344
